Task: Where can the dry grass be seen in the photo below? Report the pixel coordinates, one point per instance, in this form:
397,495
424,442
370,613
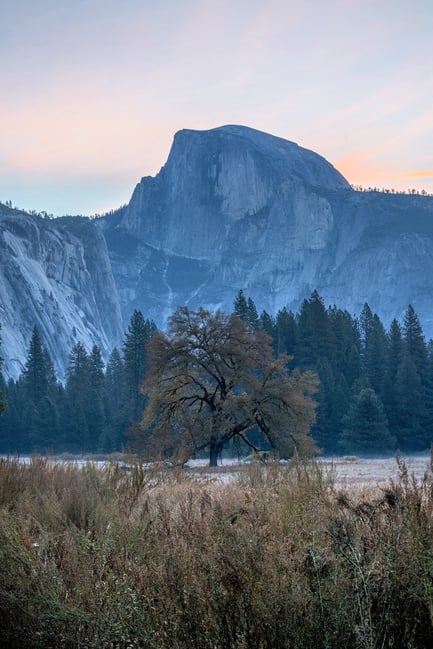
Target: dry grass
279,557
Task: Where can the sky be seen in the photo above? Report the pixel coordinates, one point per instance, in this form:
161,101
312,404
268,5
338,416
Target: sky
93,91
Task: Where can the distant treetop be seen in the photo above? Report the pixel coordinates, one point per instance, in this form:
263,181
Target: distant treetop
387,190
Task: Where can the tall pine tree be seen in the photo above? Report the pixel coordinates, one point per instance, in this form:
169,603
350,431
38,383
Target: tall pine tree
240,306
114,402
366,428
314,336
76,436
140,331
246,310
375,355
286,332
410,406
267,323
3,403
415,342
40,397
96,414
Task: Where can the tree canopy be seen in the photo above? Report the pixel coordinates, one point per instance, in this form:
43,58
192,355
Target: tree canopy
140,331
99,406
212,379
366,426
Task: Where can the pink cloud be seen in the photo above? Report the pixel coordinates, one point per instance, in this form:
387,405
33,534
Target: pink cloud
423,173
78,139
360,167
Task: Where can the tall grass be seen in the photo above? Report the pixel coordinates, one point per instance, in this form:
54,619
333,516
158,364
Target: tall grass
93,557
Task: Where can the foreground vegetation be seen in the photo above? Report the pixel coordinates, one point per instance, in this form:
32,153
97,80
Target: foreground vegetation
280,557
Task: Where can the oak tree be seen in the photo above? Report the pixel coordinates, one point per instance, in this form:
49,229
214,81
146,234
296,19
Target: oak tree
212,379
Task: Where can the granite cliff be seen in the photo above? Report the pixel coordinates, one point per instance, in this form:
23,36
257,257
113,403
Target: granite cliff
54,274
236,208
232,208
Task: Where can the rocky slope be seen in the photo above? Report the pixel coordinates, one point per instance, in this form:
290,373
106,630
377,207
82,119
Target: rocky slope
236,208
55,275
232,208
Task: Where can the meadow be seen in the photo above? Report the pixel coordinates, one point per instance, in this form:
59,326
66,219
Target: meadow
292,556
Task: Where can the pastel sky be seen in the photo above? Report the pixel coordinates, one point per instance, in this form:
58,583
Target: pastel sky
92,91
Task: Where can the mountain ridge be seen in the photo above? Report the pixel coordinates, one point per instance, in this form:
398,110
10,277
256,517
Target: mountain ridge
278,235
231,208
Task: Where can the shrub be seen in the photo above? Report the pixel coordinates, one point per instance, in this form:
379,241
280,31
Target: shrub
279,557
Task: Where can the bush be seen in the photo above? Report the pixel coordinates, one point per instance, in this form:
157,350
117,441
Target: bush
100,557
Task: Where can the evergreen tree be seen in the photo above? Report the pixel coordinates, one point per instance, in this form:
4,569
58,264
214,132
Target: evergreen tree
246,310
285,333
353,368
40,397
415,342
314,339
50,373
410,407
267,323
240,306
365,324
344,336
322,430
252,315
9,434
375,355
45,424
96,414
339,407
11,423
365,426
75,428
35,371
417,349
114,402
3,403
3,393
395,353
140,331
429,396
395,349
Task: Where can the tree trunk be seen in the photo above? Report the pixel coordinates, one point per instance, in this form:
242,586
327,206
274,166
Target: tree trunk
215,451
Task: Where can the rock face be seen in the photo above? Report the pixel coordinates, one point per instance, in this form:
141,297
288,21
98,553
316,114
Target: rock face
232,208
55,275
237,208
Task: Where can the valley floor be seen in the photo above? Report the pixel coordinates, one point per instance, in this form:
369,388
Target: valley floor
350,472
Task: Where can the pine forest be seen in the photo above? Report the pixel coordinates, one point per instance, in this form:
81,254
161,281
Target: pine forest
374,395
